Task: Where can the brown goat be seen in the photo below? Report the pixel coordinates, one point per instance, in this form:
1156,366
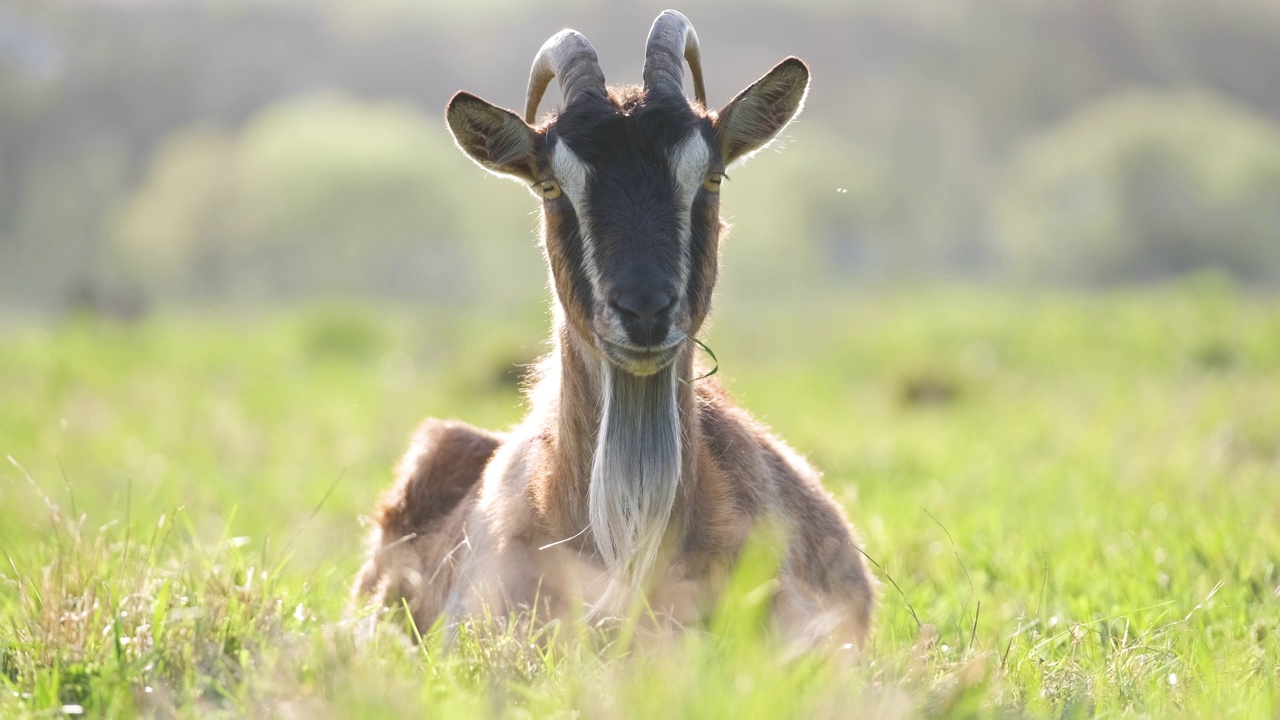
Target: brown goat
627,481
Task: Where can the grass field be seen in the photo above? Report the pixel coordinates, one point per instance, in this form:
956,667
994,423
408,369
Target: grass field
1074,503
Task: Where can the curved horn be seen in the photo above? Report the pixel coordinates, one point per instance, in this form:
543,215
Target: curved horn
569,56
671,38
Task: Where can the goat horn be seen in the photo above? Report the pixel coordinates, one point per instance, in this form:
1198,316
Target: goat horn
671,37
569,56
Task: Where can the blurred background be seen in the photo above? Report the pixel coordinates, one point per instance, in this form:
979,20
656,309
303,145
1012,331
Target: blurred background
159,153
1011,283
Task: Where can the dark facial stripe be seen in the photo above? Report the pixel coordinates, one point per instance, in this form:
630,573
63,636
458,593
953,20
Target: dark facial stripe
633,220
704,244
568,259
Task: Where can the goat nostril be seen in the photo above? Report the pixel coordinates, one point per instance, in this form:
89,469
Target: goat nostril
642,305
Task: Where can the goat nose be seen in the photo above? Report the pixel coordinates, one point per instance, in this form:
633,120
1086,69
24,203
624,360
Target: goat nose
641,304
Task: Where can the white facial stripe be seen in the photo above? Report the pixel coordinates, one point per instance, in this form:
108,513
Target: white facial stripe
689,162
572,174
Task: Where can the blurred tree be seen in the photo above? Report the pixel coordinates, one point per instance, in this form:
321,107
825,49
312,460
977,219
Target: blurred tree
174,226
1146,185
54,249
338,195
915,110
320,195
811,208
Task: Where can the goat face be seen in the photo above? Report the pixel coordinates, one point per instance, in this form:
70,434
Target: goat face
630,180
632,235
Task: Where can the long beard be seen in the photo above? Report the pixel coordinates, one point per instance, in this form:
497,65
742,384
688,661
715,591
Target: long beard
634,477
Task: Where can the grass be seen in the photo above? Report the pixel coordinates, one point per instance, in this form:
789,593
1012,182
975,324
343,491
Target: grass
1074,503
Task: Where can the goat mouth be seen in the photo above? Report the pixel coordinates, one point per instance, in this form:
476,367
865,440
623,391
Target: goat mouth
639,360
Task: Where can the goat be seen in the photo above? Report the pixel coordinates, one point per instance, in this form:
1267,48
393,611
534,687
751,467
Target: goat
627,482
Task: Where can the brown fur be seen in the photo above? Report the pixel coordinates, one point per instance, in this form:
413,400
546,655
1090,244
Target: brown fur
440,470
463,528
478,525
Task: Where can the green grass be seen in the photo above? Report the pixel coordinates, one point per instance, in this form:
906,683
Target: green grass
1074,504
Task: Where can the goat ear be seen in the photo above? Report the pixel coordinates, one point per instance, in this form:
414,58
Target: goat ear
753,119
496,138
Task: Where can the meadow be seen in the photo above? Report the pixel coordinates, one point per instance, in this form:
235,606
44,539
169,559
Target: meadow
1073,503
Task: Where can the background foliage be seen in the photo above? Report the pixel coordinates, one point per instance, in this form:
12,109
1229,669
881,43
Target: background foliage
1144,186
186,152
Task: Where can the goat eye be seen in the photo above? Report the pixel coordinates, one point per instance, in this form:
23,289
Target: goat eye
549,189
712,183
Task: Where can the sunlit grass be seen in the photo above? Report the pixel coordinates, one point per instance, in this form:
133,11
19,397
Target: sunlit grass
1074,504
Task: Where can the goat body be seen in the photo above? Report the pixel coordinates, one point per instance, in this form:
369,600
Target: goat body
626,482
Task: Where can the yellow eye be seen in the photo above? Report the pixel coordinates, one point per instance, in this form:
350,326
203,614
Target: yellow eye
712,183
549,189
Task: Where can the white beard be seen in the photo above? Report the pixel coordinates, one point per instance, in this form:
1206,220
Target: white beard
634,477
